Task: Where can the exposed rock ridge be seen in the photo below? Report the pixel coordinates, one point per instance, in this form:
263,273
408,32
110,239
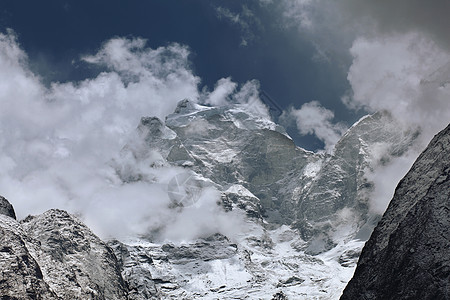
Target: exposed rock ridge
6,208
408,254
55,256
20,275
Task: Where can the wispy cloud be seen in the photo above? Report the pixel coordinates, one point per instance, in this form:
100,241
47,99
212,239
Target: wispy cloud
227,92
245,20
314,119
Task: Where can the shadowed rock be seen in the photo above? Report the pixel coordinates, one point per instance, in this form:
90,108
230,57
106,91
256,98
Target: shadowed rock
408,254
6,208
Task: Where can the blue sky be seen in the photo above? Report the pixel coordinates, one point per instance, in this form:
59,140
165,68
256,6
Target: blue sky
298,50
55,34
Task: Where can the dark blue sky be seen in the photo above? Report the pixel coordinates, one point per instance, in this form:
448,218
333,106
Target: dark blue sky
55,33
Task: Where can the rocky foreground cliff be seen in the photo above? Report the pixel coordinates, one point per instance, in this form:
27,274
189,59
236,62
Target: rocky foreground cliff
55,256
408,254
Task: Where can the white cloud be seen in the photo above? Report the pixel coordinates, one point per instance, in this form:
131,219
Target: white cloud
58,144
227,92
314,119
221,93
248,95
405,75
299,12
204,218
385,179
153,79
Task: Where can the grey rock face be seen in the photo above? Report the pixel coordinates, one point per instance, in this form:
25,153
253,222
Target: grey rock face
76,263
55,256
341,182
230,146
159,272
239,197
6,208
212,248
135,265
408,254
20,277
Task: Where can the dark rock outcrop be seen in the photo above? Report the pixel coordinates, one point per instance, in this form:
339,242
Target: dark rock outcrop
408,254
6,208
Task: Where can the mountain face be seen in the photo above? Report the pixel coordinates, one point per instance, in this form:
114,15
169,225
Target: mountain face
408,254
231,147
304,215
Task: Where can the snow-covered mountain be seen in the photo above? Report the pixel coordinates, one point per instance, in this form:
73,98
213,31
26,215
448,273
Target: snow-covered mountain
299,218
307,214
238,151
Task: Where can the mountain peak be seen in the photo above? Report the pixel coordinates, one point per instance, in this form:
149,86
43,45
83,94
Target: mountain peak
187,106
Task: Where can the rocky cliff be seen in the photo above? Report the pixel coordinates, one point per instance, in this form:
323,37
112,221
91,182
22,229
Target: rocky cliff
55,256
408,254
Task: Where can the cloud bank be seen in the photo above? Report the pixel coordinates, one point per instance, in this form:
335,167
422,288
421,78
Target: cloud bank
397,54
59,146
406,75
